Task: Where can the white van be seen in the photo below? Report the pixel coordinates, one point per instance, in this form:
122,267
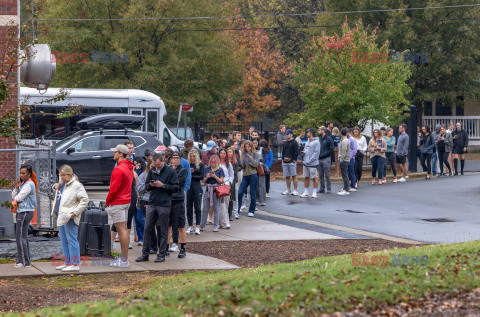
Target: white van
43,123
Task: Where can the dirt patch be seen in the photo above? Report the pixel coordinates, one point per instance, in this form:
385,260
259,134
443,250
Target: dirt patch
256,253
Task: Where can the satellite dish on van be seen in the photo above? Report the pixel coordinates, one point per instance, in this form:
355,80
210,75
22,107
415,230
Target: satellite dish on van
38,67
111,121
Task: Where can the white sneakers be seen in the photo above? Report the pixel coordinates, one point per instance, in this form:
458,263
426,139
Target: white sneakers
251,214
119,263
174,248
197,231
304,195
343,193
395,180
287,192
20,266
295,193
189,230
314,195
61,267
352,189
71,268
402,180
243,208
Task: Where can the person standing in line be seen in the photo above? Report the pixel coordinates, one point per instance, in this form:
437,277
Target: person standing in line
329,126
324,160
232,158
351,166
187,147
444,144
249,161
390,155
310,163
177,211
337,138
402,151
261,188
267,154
460,144
427,144
344,161
434,155
71,199
119,198
228,180
279,140
210,151
24,197
161,182
451,128
290,152
361,149
214,176
144,197
194,194
249,134
301,140
377,147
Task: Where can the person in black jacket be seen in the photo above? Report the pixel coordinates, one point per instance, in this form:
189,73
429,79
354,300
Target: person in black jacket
290,153
194,194
460,144
161,182
324,159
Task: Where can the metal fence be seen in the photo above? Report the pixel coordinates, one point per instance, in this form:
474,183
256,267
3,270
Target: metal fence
227,127
42,159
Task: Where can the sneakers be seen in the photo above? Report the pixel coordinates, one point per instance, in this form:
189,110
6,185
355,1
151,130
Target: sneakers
304,195
189,230
119,263
225,227
231,218
251,214
402,180
287,192
71,268
262,204
395,180
407,177
215,229
197,231
130,246
20,266
61,267
256,208
243,208
267,195
343,193
384,181
173,248
142,258
295,193
314,195
159,259
237,216
182,254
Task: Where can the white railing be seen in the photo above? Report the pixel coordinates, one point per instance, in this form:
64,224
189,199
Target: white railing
470,123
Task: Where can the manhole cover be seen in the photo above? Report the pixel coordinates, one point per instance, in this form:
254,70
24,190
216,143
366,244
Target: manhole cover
351,211
438,220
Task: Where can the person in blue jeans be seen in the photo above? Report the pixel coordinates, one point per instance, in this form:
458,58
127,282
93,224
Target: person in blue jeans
351,167
249,160
71,199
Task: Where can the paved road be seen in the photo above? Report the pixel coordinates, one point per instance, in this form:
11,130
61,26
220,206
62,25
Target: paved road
395,209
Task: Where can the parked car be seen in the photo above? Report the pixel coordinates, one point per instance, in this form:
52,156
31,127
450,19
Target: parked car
88,152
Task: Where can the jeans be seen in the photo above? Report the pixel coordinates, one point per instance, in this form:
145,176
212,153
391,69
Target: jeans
344,169
252,181
206,209
390,159
139,224
261,190
428,158
443,158
351,173
324,174
194,200
21,234
434,163
377,164
158,217
69,236
358,165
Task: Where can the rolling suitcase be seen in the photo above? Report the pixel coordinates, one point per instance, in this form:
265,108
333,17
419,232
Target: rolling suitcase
94,232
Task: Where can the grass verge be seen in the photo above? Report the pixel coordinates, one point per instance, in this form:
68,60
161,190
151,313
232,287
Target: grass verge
326,284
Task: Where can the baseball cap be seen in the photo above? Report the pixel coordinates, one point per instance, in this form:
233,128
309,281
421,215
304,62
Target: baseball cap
210,145
176,154
160,149
289,131
173,148
120,148
383,129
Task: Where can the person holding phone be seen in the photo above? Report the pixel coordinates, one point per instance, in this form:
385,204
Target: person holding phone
427,144
377,148
249,161
290,152
213,177
444,143
460,144
194,194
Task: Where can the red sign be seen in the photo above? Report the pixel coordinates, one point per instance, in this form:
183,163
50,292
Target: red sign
186,107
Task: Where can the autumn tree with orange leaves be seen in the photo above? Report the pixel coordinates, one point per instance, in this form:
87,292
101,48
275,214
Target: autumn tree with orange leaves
264,68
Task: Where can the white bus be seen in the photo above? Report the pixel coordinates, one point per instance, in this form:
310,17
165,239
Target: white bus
43,124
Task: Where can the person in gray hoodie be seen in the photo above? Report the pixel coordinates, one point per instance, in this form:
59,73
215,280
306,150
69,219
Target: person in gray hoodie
310,163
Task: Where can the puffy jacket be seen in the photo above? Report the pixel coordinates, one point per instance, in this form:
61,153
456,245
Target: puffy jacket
182,179
120,192
290,150
162,196
427,144
326,147
74,200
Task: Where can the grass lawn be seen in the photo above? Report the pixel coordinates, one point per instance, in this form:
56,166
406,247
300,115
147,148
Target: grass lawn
314,286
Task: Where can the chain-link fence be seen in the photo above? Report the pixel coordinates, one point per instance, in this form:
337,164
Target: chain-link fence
42,160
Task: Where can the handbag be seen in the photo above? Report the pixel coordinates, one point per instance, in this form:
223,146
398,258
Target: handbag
260,171
222,191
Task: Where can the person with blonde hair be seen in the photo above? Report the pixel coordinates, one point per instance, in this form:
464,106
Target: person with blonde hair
214,176
390,155
71,199
377,147
194,194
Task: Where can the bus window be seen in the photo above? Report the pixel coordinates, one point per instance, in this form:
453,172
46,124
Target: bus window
152,121
111,110
166,137
72,121
49,126
26,124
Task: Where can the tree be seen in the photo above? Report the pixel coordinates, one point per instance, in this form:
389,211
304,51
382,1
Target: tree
263,68
347,80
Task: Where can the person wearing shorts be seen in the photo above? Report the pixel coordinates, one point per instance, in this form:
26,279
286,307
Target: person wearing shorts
289,163
119,198
310,163
460,144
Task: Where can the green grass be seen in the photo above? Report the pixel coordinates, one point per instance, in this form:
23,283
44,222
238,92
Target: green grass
325,284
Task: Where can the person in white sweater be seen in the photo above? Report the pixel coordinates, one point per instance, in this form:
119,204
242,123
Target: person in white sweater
362,147
71,199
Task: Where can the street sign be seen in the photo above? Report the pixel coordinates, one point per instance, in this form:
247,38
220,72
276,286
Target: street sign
186,107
